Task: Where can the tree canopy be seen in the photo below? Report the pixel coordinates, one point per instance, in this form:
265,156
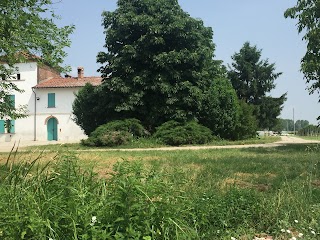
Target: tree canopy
159,60
27,30
158,65
253,78
307,12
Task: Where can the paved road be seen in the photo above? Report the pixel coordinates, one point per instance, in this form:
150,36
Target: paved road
8,146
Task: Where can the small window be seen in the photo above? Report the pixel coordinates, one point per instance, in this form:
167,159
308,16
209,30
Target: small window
2,128
51,100
18,76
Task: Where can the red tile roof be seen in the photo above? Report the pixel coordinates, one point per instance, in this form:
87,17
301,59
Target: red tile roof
68,82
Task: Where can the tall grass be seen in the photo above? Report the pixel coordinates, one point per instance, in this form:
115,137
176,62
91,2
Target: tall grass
211,194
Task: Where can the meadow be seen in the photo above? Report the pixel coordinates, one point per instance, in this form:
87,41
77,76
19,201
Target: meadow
255,193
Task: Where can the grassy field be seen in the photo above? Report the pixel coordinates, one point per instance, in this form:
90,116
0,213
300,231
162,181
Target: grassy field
310,137
204,194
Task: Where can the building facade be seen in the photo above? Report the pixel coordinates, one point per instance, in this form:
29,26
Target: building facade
48,98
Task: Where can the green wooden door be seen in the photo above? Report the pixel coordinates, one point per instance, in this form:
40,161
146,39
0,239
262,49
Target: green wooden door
52,128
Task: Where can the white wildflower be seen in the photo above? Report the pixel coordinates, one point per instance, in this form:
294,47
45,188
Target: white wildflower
283,230
93,220
296,221
288,231
232,238
300,235
313,232
293,238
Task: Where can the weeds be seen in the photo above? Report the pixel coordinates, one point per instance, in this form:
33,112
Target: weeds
183,196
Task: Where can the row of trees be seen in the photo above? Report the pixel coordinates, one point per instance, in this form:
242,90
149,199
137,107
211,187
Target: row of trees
289,125
160,66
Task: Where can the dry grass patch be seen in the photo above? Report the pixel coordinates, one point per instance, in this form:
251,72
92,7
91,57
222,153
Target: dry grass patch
243,175
245,180
229,182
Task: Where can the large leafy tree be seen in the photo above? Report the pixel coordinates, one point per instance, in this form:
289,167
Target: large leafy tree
307,12
27,30
158,62
253,79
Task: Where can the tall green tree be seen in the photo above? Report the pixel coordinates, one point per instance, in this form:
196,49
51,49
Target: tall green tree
300,124
158,62
253,78
268,111
307,12
27,29
220,109
286,124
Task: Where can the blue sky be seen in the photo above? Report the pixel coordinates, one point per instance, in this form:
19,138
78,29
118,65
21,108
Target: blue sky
233,22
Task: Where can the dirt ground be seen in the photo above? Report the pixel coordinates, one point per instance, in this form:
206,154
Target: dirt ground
8,146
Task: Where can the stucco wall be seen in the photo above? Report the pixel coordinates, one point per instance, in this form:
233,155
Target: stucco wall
67,129
64,97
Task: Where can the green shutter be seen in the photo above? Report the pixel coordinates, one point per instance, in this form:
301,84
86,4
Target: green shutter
12,129
2,129
51,100
12,100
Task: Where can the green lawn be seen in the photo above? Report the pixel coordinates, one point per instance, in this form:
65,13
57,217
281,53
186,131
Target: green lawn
203,194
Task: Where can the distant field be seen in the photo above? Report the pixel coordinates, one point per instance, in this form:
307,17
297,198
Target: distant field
183,194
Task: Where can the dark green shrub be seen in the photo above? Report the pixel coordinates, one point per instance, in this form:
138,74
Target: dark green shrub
175,133
131,125
115,133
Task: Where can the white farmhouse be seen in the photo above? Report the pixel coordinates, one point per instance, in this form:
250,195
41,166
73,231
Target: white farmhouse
49,99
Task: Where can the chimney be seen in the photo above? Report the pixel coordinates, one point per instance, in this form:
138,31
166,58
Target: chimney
80,72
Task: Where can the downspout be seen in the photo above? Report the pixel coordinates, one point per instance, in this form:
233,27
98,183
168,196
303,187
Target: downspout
35,116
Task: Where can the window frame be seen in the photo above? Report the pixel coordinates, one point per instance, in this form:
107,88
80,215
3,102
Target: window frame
51,100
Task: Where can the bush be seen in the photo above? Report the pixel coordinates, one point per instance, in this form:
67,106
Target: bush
115,133
220,109
175,133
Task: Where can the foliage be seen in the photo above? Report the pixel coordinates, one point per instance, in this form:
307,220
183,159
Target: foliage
268,110
86,109
69,202
158,63
116,133
253,78
25,33
300,124
7,107
109,138
176,133
307,12
220,111
287,125
310,130
247,124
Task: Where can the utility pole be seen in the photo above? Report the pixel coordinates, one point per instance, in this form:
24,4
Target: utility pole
294,125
